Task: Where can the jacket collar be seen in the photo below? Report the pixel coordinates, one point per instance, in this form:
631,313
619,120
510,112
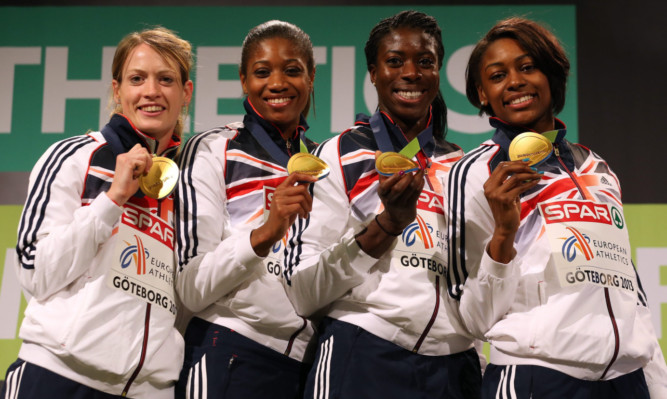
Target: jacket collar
122,135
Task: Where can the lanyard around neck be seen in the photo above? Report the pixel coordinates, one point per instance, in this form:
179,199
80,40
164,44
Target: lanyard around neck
269,145
383,138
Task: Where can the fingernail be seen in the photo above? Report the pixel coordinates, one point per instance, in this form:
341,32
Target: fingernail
401,173
541,172
526,159
534,168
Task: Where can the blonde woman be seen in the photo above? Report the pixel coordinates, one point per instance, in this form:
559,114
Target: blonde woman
95,253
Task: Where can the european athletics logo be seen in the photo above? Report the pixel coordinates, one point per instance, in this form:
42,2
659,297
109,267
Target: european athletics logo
131,253
577,241
419,229
279,244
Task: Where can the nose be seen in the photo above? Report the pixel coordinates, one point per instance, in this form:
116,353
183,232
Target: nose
515,79
411,71
276,82
152,88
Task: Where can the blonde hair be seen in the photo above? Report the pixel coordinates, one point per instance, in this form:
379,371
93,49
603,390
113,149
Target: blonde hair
166,43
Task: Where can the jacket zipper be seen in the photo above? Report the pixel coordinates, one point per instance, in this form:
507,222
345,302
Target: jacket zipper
430,322
422,158
144,346
617,343
293,337
617,339
288,145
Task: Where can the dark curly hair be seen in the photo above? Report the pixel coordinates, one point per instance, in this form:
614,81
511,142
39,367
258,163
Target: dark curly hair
413,20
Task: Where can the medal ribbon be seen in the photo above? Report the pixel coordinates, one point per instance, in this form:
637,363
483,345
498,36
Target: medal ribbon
551,135
265,140
383,137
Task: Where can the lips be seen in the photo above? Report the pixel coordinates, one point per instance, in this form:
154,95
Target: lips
278,101
521,99
152,108
409,94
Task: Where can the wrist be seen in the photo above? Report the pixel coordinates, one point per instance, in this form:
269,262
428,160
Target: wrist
387,227
116,199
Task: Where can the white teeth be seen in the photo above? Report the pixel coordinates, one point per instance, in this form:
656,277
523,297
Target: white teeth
410,95
278,100
152,108
521,99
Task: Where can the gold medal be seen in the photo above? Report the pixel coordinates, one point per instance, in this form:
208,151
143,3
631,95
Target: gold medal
303,162
389,163
161,179
533,146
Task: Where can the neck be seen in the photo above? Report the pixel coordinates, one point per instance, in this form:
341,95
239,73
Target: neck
412,130
287,132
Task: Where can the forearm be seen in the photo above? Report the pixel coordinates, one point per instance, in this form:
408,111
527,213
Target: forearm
64,249
324,276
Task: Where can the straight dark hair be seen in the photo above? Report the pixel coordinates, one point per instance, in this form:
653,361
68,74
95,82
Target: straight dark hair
542,46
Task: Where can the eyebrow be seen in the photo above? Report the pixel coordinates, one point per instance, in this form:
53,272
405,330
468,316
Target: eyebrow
522,56
287,61
135,70
425,52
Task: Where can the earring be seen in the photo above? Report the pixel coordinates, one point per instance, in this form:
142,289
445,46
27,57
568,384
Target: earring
482,103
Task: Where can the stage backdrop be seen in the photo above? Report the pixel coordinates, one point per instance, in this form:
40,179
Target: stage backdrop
55,78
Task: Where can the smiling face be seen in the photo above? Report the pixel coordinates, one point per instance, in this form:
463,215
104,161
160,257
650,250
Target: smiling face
516,90
278,83
150,92
407,77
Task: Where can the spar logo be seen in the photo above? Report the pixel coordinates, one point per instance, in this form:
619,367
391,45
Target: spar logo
578,242
132,254
617,217
420,229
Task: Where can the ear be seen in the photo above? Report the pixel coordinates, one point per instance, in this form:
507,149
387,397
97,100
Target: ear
372,72
242,77
115,85
482,95
188,87
312,78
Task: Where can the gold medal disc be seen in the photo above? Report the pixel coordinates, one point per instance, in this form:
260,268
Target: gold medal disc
303,162
390,162
161,178
533,146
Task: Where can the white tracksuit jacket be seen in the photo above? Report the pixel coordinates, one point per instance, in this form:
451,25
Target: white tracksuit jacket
227,179
578,306
75,324
401,297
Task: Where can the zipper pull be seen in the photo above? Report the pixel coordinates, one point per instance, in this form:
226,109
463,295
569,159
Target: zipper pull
556,151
